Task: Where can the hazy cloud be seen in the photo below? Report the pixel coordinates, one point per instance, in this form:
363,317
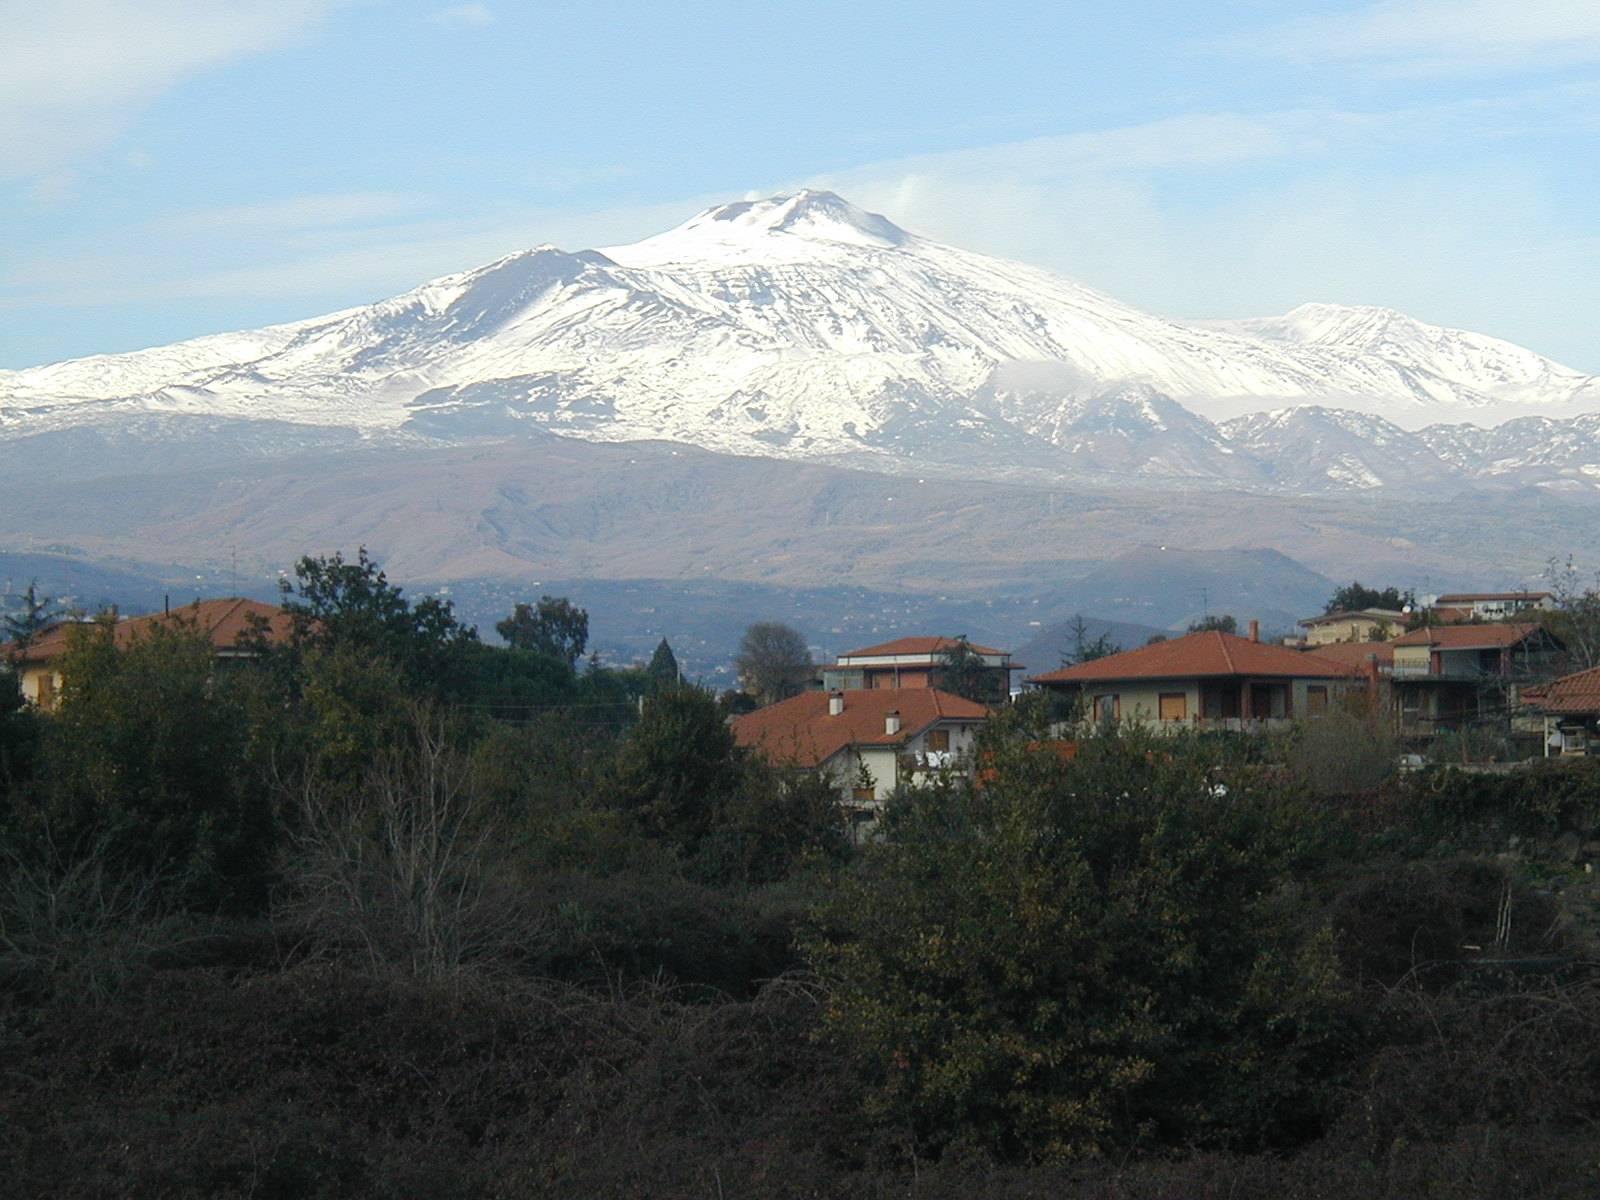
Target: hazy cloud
293,214
1443,34
1310,205
463,16
73,72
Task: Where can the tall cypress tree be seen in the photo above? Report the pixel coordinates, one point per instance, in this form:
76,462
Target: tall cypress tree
663,668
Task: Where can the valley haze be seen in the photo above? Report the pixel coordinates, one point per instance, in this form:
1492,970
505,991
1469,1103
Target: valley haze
796,393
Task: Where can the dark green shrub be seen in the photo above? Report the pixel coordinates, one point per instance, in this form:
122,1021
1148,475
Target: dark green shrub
1085,956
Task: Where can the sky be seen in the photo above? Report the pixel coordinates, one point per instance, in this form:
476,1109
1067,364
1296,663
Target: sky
170,168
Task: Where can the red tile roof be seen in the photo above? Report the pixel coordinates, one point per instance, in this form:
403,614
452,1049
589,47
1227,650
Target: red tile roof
1355,654
916,645
1578,693
223,621
1469,637
801,732
1208,654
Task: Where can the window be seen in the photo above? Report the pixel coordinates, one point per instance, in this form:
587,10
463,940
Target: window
863,795
938,740
1316,700
1174,706
47,690
1107,708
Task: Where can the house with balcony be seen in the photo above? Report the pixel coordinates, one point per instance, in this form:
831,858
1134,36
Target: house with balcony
1209,680
914,662
867,741
1492,606
1444,677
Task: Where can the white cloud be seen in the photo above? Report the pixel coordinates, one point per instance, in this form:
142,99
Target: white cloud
463,16
1443,34
74,72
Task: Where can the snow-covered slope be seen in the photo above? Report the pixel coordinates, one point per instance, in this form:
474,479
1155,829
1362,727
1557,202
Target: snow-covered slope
1438,367
1314,448
801,326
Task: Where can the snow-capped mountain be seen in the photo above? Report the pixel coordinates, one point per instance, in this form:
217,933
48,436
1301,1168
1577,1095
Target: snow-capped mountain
800,326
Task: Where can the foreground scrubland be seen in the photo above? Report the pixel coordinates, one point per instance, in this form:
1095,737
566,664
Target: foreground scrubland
390,913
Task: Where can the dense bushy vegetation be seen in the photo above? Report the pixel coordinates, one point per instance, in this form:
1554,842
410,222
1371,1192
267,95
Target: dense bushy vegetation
391,912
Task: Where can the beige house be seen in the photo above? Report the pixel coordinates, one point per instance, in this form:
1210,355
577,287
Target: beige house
225,622
1357,625
867,741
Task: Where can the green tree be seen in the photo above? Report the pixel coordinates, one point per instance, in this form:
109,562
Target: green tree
1222,624
962,672
554,626
1082,648
38,613
143,763
677,767
1355,596
336,604
663,668
1081,957
19,740
773,661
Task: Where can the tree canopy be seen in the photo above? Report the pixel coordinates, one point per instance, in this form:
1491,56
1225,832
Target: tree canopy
37,613
555,626
1223,624
1082,648
962,672
663,669
773,661
335,603
1355,596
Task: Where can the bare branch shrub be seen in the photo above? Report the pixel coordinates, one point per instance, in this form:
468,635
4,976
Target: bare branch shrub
1343,753
78,928
407,869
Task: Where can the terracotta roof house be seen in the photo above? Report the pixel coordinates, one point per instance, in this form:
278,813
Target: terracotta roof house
1206,680
912,662
1351,625
1446,676
1358,656
1570,709
867,740
224,621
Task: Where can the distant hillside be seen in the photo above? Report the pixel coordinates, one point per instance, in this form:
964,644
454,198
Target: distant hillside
1044,649
89,585
1168,587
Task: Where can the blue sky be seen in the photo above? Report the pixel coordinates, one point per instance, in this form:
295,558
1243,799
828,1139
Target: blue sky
176,167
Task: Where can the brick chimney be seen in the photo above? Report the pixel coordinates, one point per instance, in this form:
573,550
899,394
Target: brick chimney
891,722
835,703
1255,630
